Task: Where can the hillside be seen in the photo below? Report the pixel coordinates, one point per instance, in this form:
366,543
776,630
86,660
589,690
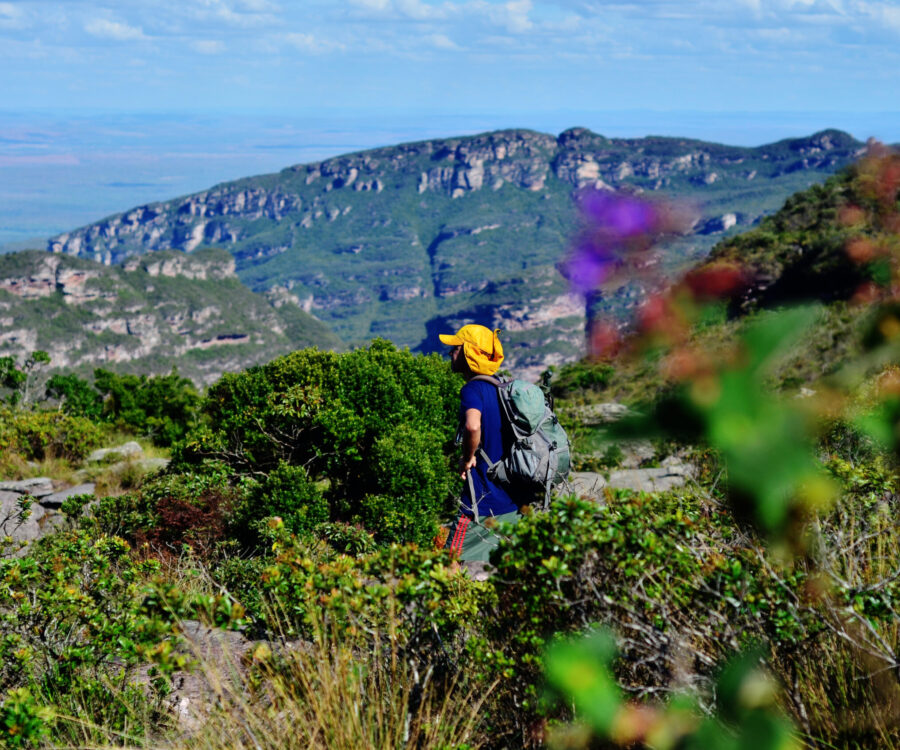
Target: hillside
148,315
826,245
405,241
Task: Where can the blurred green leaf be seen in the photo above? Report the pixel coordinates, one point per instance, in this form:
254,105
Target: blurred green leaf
580,670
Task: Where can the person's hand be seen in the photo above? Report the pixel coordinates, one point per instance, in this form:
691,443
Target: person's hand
465,465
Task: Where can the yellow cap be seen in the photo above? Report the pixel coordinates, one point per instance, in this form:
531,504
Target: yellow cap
481,345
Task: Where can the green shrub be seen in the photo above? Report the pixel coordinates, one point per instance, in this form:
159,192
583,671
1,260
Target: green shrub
162,407
287,493
377,423
23,721
580,377
664,566
413,594
173,509
50,434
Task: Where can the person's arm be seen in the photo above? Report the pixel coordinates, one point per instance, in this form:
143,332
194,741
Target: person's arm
471,436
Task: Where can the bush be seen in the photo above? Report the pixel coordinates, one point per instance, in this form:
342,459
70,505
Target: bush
162,407
580,377
410,593
43,435
377,423
287,493
673,576
173,509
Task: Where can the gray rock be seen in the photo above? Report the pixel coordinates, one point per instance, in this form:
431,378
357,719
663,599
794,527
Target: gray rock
57,498
222,658
153,464
11,524
127,450
587,484
478,570
594,414
635,452
36,487
648,480
590,485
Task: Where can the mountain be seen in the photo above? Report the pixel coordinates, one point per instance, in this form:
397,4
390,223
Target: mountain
407,241
834,244
150,313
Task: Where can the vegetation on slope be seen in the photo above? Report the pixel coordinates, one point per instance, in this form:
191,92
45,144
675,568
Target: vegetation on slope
779,561
149,316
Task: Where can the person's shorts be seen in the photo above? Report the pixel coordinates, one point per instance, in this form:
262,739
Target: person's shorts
475,541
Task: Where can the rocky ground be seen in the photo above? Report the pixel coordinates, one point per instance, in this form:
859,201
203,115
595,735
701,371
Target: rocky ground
30,508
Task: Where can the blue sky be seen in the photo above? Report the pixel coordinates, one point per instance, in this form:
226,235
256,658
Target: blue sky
136,98
273,56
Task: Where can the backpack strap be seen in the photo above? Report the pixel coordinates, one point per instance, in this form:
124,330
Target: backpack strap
488,379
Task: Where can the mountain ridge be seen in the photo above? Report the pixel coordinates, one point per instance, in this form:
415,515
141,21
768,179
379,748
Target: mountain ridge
402,241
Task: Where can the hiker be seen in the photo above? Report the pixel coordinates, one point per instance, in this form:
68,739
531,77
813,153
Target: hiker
476,350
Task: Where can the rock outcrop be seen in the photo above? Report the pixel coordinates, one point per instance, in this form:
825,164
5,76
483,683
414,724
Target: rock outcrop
162,309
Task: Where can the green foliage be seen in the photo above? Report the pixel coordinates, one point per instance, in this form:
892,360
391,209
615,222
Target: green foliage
162,407
286,492
747,715
580,670
405,591
75,395
173,509
23,722
765,442
40,435
16,380
377,423
11,378
577,378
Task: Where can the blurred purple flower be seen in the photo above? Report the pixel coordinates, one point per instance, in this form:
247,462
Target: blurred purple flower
616,226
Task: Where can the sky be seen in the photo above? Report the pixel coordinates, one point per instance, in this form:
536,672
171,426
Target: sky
104,105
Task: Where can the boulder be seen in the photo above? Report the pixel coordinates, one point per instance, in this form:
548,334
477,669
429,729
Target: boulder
36,486
21,530
596,414
127,450
57,498
648,480
586,484
153,464
589,484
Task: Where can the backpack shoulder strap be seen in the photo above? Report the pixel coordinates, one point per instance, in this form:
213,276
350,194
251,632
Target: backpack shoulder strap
488,379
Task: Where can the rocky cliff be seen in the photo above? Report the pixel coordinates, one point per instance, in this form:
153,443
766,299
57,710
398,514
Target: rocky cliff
403,241
147,315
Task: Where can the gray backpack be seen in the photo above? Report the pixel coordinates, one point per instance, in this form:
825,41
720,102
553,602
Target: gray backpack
540,455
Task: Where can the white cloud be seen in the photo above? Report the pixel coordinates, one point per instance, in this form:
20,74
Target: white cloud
106,29
11,16
886,14
379,5
310,43
237,13
418,10
442,41
208,46
514,15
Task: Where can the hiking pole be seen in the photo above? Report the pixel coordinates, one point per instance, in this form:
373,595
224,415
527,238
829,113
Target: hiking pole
472,493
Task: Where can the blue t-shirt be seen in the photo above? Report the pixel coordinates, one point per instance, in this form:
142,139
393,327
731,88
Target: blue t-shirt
492,498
